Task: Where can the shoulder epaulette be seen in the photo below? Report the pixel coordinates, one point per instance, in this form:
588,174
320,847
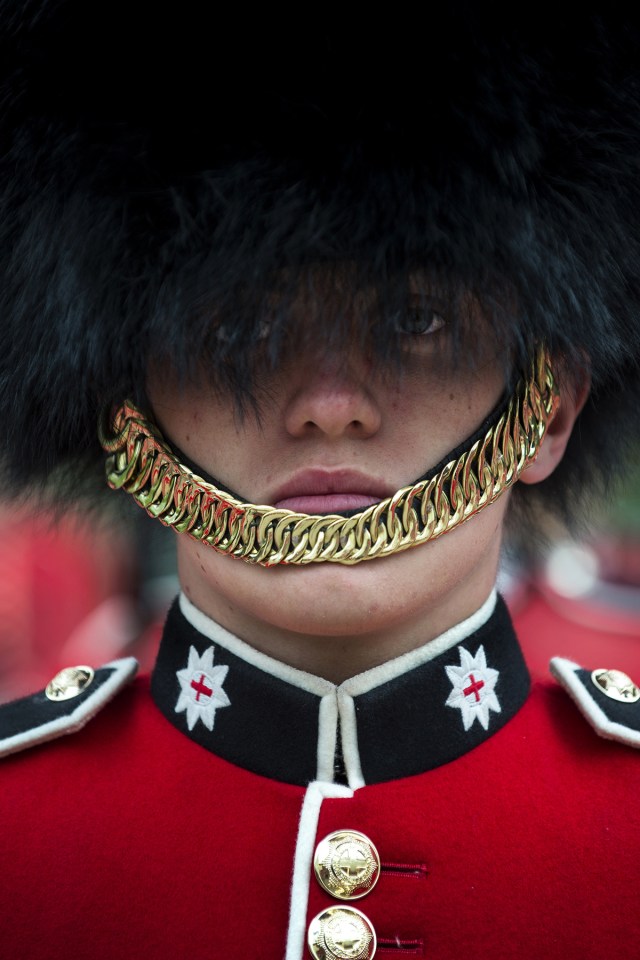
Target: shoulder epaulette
69,701
609,699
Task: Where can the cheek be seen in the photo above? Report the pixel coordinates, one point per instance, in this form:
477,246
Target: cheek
428,417
209,431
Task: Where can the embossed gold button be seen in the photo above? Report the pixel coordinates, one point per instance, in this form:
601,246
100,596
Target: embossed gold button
69,683
341,933
617,685
346,864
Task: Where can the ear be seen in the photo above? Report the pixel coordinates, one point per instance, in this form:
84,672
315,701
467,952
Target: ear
574,391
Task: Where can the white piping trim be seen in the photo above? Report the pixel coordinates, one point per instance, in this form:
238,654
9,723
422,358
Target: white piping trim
124,671
305,846
209,628
364,682
338,700
349,737
327,733
565,673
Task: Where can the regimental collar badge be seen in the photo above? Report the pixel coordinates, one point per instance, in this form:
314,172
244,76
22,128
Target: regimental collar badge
391,721
473,690
201,692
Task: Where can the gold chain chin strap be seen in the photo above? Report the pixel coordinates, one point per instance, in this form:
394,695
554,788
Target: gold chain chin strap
140,462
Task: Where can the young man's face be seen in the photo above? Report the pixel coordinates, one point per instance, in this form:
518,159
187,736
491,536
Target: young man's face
335,434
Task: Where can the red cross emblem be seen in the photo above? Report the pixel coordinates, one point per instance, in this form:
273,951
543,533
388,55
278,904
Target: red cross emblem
201,688
474,688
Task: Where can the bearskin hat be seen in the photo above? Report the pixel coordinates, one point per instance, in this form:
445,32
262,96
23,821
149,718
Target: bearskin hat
162,178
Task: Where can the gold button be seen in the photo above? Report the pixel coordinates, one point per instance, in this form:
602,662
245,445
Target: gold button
341,933
69,683
346,864
617,685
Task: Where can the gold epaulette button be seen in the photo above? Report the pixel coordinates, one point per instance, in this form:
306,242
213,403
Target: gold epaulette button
69,683
617,685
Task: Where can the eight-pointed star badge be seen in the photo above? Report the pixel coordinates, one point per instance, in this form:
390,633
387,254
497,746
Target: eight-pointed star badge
201,690
473,688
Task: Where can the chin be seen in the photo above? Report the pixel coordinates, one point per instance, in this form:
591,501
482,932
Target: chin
335,601
450,578
318,599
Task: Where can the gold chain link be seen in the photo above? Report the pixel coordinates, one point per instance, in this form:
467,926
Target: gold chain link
140,462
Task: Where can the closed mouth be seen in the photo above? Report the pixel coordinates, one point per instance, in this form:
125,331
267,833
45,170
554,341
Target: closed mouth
318,491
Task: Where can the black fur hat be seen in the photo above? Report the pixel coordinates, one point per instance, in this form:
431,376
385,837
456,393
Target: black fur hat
162,179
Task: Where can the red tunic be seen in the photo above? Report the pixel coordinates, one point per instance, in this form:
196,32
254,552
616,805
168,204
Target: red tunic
129,839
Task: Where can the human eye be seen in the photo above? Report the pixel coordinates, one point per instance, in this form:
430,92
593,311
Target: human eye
421,320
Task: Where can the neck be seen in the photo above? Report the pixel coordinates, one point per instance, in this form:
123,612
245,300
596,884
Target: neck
403,660
334,622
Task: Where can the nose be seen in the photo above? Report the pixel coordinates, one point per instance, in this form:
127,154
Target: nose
333,398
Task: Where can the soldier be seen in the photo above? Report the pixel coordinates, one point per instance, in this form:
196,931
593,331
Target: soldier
338,318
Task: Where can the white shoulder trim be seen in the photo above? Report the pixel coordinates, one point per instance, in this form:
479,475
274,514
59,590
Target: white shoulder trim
124,671
565,673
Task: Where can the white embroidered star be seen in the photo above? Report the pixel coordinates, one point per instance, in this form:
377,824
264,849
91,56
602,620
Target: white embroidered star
201,690
473,688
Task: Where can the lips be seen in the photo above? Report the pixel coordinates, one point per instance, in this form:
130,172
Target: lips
322,492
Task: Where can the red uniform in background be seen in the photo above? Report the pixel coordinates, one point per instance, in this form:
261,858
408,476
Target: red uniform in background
67,595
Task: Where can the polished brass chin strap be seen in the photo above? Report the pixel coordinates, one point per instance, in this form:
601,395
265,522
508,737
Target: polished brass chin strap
140,462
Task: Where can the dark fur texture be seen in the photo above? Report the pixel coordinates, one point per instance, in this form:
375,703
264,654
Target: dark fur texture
167,188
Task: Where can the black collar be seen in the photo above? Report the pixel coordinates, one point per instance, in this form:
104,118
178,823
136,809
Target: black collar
423,709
